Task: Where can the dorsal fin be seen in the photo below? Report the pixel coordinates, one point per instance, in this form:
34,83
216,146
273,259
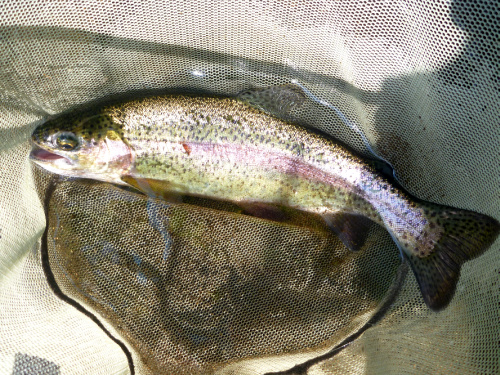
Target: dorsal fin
277,100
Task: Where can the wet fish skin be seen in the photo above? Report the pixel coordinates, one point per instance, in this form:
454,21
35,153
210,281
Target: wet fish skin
225,149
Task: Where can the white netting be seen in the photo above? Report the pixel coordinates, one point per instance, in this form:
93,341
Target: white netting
414,82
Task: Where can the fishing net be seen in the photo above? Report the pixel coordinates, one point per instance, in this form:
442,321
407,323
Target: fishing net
126,283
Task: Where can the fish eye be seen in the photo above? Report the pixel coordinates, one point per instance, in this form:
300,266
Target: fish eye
67,141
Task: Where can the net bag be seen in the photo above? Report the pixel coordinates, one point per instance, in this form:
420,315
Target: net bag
122,283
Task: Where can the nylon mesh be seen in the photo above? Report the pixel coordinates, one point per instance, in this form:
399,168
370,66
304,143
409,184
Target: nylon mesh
412,82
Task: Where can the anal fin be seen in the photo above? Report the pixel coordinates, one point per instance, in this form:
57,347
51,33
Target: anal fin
352,230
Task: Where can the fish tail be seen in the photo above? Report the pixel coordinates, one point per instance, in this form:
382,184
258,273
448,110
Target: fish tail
464,235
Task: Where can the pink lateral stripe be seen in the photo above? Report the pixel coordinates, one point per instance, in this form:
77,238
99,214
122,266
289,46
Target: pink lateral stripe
267,160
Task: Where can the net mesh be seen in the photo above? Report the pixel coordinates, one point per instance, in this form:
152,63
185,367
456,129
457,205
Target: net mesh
412,82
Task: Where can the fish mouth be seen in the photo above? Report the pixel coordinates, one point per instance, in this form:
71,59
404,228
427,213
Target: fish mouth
44,156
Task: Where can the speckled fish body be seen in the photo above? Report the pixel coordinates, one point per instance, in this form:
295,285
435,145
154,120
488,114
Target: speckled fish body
222,148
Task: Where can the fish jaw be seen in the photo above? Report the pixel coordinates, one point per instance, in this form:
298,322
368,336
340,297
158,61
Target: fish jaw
106,162
52,162
62,166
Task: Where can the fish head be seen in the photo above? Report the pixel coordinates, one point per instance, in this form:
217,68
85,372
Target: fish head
85,146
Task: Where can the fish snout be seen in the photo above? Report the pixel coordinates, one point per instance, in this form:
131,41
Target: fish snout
40,137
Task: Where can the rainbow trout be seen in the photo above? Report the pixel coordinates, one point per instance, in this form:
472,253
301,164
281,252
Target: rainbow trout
222,148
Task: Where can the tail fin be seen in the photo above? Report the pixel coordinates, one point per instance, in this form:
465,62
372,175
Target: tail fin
465,235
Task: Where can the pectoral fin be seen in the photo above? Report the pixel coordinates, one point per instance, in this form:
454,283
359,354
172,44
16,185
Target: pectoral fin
153,188
352,230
